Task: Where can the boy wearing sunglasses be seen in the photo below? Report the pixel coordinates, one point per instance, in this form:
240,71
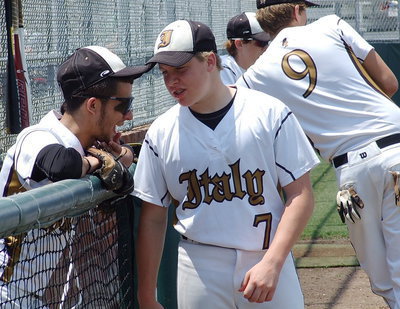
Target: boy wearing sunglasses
246,42
97,88
218,156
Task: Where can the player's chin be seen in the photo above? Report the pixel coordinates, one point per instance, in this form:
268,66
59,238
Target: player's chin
105,138
185,101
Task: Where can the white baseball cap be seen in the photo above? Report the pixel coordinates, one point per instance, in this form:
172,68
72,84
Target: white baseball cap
178,42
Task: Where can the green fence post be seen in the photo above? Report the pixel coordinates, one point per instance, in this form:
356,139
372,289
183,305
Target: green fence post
169,264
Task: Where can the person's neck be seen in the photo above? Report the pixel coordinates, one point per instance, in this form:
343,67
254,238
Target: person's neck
218,97
243,62
78,128
293,23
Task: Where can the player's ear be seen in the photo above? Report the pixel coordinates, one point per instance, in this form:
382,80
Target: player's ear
91,105
296,12
238,43
211,61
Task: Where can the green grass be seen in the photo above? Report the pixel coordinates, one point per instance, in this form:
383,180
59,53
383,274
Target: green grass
325,222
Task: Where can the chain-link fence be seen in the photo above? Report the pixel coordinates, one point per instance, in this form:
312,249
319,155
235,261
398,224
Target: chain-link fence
55,28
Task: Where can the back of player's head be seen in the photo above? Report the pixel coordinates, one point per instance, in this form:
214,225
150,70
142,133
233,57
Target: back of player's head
91,65
246,27
180,41
275,15
265,3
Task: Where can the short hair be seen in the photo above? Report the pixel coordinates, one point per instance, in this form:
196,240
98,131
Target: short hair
231,47
274,18
201,56
107,88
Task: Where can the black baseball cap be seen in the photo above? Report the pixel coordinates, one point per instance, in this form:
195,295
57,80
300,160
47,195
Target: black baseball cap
90,65
246,27
264,3
178,42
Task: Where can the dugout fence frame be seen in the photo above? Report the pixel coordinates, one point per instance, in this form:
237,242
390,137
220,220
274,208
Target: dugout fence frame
35,209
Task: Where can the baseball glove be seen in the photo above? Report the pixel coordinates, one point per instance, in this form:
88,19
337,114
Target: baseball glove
396,180
347,203
112,173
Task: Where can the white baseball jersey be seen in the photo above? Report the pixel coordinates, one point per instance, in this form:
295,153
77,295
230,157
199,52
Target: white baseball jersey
231,70
225,180
16,171
22,155
315,70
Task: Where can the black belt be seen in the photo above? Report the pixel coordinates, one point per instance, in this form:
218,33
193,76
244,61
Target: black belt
382,143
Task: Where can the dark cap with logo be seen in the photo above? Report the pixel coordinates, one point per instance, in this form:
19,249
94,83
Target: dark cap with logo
89,66
264,3
178,42
246,27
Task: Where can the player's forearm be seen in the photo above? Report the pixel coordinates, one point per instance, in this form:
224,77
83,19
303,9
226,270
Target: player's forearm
299,208
89,164
150,244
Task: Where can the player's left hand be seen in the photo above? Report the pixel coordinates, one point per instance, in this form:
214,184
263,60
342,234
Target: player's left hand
123,154
259,284
347,203
112,173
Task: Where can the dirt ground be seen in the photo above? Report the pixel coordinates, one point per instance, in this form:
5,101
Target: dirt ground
338,288
345,287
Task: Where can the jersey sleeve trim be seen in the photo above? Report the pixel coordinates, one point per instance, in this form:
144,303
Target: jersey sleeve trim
151,148
282,122
245,81
286,170
228,68
147,198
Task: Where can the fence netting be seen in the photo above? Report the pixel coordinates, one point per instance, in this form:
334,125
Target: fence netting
79,262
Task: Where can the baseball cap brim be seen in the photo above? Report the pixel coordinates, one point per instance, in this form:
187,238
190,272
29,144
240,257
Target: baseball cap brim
134,72
171,58
262,37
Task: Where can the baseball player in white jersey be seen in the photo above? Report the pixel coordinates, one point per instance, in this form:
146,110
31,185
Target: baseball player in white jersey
218,156
340,89
246,42
54,149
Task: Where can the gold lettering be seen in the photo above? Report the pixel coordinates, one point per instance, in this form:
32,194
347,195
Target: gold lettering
222,189
237,179
254,185
205,182
194,192
205,189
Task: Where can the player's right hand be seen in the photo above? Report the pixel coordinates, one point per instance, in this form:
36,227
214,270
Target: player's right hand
347,203
259,283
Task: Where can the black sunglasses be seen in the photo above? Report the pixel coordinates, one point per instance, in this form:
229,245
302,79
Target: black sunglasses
124,107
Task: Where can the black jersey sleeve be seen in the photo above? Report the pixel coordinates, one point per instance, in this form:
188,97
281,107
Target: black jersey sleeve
56,163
